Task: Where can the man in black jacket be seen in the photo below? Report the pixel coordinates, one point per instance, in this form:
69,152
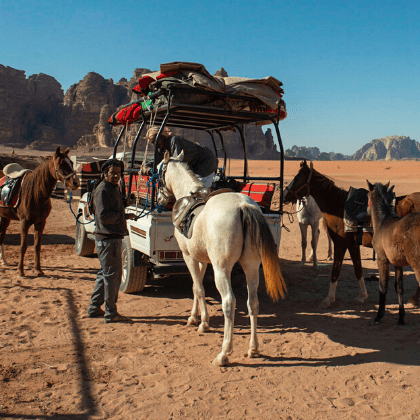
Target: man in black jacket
110,229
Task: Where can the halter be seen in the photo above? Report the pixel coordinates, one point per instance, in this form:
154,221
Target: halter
61,176
306,184
163,190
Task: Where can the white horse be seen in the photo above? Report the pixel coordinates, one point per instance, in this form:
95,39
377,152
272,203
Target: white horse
309,214
230,228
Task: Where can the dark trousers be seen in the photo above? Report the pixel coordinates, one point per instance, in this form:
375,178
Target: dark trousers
108,279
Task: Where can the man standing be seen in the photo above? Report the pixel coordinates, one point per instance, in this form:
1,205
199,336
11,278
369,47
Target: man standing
110,229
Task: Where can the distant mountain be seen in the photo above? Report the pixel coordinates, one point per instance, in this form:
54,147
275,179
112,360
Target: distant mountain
313,153
389,148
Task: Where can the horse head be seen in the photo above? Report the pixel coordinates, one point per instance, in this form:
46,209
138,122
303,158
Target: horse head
383,196
63,169
299,186
165,192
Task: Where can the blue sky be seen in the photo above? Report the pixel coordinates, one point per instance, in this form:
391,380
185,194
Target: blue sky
350,69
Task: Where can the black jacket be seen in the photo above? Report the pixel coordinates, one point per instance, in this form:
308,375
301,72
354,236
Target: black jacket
109,212
200,159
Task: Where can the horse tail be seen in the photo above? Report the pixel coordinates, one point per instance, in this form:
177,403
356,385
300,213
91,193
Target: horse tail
261,238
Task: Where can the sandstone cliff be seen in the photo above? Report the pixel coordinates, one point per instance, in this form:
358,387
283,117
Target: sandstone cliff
388,148
36,113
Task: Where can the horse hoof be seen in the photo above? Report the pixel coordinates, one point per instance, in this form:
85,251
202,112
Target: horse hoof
204,327
377,321
325,304
220,360
252,353
360,300
40,274
413,302
192,322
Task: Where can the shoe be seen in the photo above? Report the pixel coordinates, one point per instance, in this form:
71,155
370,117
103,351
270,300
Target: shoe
99,313
119,318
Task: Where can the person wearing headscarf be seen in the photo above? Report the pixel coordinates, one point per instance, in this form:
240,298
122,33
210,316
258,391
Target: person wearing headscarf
201,160
110,229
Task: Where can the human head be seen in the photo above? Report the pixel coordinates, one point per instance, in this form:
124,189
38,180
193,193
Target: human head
112,170
153,132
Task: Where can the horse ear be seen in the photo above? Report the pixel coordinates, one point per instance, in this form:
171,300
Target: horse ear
311,165
303,163
386,186
66,152
57,152
391,189
370,186
166,156
180,157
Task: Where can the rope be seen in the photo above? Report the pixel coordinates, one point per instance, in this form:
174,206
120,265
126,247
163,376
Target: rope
154,179
77,216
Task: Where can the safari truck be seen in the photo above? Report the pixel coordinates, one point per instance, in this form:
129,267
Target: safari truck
150,250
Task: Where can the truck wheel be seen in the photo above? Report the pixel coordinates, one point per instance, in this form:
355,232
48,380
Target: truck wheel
133,278
83,245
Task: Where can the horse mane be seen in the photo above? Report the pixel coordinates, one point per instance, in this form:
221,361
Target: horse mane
194,179
326,184
384,207
38,182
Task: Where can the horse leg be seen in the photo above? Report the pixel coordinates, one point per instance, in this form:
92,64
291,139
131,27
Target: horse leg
222,280
314,243
197,271
24,228
399,288
330,252
339,251
383,268
4,224
415,299
303,234
251,269
354,250
38,230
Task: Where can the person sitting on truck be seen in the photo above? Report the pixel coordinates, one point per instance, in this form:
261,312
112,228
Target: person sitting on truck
110,229
201,160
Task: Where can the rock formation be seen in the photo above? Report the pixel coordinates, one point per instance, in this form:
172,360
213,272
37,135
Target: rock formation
36,113
388,148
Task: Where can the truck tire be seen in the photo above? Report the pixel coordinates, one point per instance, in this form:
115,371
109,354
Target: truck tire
133,278
83,245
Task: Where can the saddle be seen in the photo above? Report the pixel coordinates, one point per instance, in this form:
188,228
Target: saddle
186,209
356,213
10,191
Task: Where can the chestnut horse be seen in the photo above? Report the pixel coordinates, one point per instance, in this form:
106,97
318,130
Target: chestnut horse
331,200
34,205
395,242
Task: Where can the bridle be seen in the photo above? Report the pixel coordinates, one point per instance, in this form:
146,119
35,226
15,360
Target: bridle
60,176
162,189
306,184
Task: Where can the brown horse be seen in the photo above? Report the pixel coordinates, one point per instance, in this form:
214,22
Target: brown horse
395,242
34,205
331,200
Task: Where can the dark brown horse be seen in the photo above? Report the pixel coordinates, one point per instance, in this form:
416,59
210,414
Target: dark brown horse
395,242
331,200
35,203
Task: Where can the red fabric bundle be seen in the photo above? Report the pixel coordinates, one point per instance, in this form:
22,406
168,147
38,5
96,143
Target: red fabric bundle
126,115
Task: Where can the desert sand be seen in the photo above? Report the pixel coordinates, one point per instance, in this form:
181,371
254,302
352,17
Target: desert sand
56,363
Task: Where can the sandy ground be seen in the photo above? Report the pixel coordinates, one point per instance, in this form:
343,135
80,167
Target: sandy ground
55,363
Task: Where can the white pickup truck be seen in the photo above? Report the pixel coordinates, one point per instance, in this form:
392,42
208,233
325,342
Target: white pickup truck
150,250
